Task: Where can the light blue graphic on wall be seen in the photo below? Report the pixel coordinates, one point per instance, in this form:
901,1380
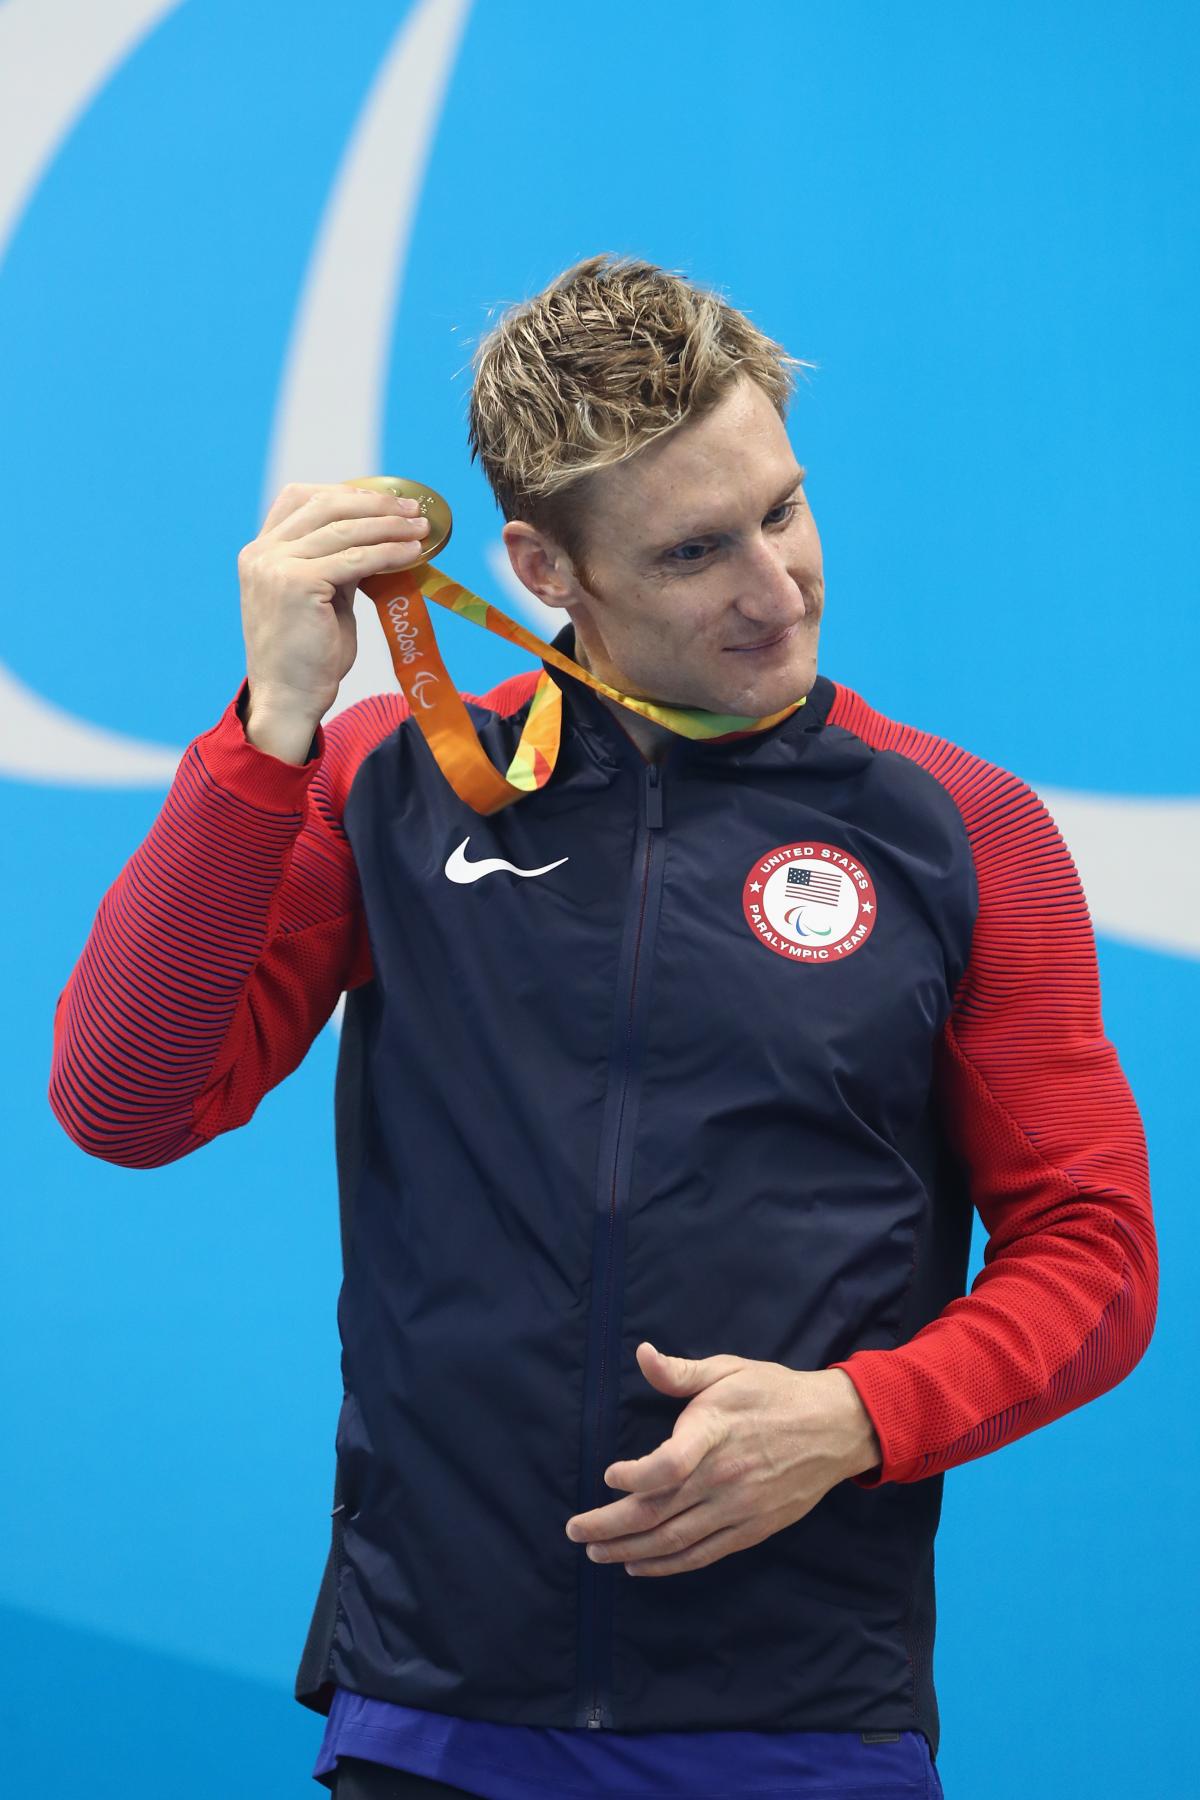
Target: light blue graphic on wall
242,246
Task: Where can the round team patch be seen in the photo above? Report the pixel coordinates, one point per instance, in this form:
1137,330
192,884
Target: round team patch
810,902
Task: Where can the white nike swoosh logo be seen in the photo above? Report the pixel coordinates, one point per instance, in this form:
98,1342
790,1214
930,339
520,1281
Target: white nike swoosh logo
459,869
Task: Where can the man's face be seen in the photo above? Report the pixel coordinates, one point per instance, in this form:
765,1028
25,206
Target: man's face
697,547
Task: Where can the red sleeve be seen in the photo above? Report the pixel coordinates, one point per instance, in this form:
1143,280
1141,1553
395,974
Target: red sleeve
1033,1098
221,948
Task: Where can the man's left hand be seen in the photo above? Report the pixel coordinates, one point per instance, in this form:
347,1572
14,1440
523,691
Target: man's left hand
754,1450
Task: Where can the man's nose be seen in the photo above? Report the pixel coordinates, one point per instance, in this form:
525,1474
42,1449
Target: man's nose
770,591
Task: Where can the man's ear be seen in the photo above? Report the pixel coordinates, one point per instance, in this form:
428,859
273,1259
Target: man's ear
540,564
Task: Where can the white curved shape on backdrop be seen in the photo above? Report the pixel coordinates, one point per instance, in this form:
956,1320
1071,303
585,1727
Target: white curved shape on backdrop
43,743
328,422
55,57
1138,858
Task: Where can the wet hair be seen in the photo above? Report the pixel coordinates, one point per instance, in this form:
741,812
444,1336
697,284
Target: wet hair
608,358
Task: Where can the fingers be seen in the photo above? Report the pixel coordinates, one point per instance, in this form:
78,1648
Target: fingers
318,505
286,502
667,1537
340,535
321,501
697,1555
637,1512
343,533
359,561
695,1436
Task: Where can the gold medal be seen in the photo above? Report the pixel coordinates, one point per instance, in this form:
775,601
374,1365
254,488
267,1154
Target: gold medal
433,507
399,597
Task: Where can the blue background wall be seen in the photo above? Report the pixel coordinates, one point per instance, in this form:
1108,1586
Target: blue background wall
980,223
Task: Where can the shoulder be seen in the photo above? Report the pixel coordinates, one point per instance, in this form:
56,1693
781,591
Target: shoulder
1019,853
991,800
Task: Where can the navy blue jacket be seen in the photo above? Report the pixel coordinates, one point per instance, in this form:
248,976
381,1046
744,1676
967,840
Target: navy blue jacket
730,1071
587,1107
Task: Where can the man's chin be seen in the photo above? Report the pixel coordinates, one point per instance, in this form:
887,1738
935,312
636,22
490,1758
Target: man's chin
770,692
757,700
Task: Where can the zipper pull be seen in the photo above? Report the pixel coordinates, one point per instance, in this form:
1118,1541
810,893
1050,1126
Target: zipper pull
594,1719
654,796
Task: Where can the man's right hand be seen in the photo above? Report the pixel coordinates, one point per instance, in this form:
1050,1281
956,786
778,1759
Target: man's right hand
298,578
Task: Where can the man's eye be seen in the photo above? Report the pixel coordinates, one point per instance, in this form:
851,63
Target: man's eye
781,514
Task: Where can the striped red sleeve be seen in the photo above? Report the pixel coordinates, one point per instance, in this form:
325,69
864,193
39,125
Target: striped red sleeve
1034,1100
221,948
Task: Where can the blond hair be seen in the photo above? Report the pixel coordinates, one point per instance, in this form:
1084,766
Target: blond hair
612,355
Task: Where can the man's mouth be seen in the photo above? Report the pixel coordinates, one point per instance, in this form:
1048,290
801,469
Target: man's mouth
766,643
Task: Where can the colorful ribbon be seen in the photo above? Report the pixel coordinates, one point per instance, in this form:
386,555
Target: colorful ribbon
399,598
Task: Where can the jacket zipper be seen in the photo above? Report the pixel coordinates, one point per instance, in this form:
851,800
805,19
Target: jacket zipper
600,1386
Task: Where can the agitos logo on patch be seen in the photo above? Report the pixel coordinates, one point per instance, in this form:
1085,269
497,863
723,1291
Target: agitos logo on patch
810,902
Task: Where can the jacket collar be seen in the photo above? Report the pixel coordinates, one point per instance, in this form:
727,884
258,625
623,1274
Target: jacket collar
601,734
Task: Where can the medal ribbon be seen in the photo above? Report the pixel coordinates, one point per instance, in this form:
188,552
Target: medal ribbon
400,596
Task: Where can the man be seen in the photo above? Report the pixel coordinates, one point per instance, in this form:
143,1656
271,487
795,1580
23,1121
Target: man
663,1098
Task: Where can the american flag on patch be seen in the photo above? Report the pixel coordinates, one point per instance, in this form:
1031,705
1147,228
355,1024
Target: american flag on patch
821,885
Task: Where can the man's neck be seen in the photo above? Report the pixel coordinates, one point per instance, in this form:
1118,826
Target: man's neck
651,739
